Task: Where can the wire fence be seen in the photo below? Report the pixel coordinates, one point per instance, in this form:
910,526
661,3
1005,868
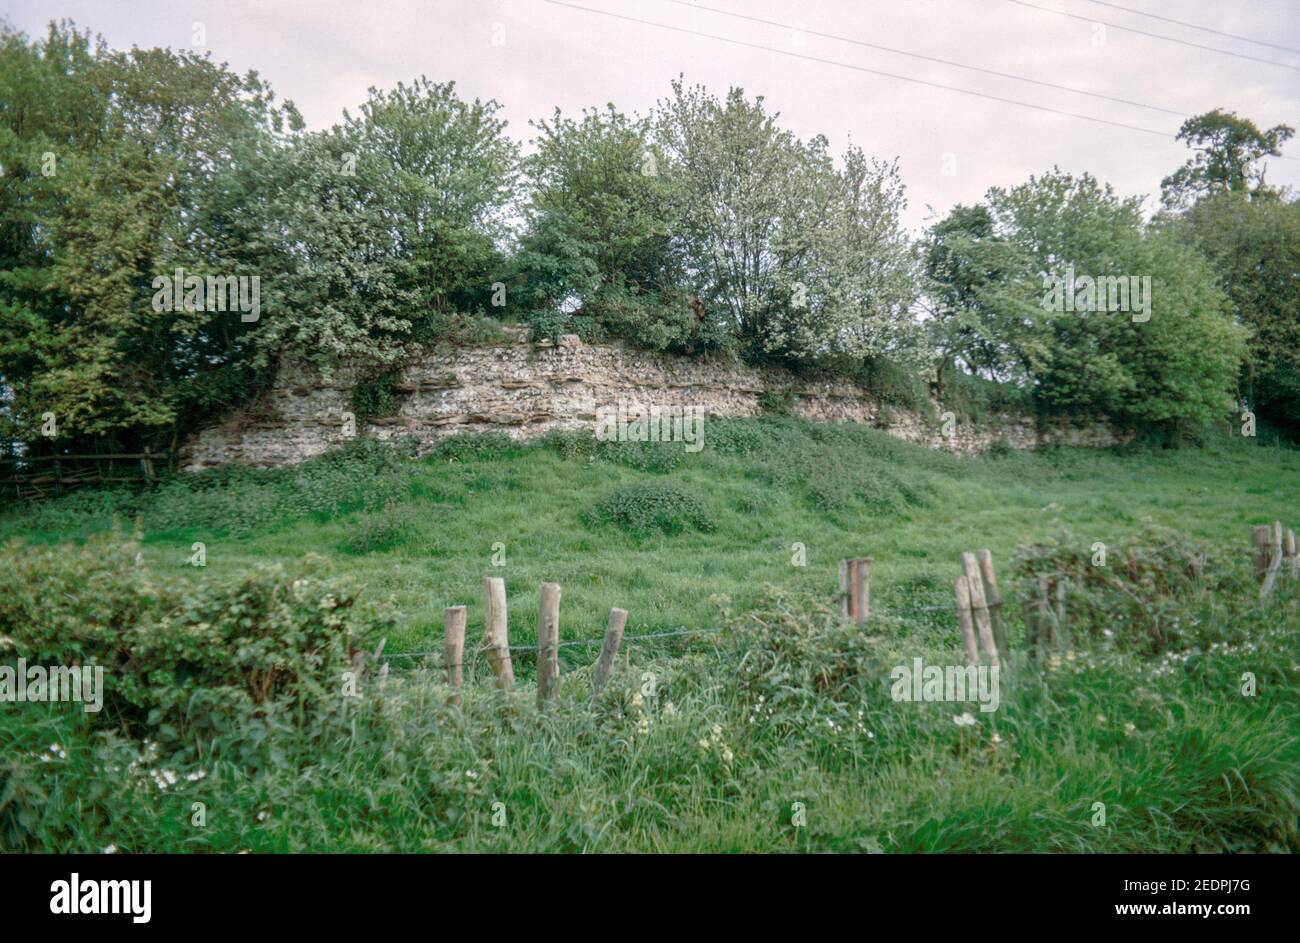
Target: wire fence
432,657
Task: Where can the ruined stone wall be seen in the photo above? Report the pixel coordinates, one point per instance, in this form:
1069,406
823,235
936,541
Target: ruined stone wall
525,389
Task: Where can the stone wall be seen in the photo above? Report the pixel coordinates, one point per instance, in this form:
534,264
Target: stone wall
525,389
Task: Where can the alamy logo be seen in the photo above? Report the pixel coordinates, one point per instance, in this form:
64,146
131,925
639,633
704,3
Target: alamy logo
37,683
1127,293
955,683
629,422
181,292
102,897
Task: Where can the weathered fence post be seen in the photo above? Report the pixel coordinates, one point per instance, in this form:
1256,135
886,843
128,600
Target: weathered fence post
961,592
1046,624
548,641
1261,535
860,573
608,649
453,648
844,589
994,599
497,633
1293,561
1275,559
979,606
1062,636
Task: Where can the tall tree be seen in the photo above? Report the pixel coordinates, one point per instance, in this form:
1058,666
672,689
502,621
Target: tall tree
1254,248
1228,152
114,165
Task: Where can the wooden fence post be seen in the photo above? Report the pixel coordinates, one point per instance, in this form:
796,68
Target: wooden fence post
961,592
548,641
1046,625
453,648
844,589
1062,636
497,637
608,649
1261,536
1275,559
1032,630
994,599
861,575
1293,561
979,606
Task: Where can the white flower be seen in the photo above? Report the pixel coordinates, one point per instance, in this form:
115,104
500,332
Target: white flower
643,727
110,850
996,738
964,720
670,710
263,816
1129,729
637,700
726,754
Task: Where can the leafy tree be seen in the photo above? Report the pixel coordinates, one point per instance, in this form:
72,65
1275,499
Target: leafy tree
114,163
599,229
803,262
1175,369
447,174
1228,148
1254,248
980,295
341,290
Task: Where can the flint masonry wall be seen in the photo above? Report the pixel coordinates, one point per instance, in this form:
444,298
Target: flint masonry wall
524,389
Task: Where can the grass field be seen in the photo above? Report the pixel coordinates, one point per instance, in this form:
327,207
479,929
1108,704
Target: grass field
789,710
764,486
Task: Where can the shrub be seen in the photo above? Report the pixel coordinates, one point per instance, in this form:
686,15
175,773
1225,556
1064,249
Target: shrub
645,508
375,533
376,397
776,402
181,664
474,446
1150,594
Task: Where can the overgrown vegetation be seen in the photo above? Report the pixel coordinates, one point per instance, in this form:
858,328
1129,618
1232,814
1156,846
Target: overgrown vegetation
704,228
780,734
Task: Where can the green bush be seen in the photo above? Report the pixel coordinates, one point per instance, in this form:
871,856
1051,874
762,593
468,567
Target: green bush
375,533
475,447
376,396
182,664
646,508
1158,591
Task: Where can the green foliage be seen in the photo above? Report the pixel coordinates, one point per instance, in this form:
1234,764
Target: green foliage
120,168
377,532
799,259
646,508
1153,594
1175,368
376,397
474,446
1254,249
181,665
776,402
1227,149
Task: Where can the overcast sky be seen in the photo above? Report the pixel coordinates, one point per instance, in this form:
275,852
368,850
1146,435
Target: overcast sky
534,55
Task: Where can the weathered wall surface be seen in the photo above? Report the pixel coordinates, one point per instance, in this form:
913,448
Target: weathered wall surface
525,389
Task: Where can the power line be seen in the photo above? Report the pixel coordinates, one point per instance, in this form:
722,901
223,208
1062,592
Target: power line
1203,29
917,55
856,68
1168,39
